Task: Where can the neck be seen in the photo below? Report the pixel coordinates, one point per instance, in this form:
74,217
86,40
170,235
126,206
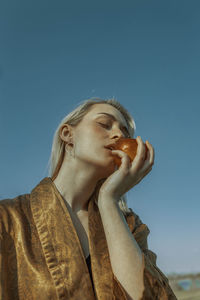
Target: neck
76,183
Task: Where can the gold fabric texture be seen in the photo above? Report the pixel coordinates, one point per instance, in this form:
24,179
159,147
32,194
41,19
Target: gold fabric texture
41,257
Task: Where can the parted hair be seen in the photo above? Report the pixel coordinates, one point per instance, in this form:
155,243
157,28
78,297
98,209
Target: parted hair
73,119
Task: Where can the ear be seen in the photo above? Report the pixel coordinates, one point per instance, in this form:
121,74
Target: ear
65,133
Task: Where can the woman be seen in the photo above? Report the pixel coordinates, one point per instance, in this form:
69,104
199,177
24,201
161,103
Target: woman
73,237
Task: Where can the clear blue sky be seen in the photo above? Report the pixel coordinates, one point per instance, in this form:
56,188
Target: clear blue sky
54,54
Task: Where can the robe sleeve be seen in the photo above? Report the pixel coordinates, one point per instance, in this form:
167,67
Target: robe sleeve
8,277
2,259
156,284
3,288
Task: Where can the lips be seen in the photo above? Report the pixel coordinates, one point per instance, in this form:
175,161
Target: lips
110,147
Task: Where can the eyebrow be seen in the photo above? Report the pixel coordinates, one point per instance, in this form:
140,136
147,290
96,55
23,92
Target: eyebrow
112,117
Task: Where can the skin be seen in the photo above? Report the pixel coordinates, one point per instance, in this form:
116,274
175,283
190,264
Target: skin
78,175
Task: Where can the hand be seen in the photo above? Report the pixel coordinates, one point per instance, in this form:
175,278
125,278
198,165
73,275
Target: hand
129,173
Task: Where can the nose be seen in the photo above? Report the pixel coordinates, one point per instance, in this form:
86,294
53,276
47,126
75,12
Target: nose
117,134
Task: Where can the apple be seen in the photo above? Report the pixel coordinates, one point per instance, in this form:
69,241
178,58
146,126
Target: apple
128,146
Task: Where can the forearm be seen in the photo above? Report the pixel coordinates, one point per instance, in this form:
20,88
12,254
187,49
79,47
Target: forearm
125,254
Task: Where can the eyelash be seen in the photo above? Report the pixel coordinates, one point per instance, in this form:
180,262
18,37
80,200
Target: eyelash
106,126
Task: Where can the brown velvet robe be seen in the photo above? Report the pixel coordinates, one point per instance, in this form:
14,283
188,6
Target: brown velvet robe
41,257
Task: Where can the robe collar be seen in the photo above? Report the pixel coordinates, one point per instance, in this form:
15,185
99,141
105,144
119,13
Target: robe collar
62,249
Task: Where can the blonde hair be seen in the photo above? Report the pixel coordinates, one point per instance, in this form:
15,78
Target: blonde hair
73,119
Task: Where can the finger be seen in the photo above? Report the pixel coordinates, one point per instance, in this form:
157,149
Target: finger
147,167
141,148
147,171
151,153
126,161
140,156
148,163
147,154
144,173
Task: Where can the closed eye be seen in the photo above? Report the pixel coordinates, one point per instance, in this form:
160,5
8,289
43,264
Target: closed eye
107,126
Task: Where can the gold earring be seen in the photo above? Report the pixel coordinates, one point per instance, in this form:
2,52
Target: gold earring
69,151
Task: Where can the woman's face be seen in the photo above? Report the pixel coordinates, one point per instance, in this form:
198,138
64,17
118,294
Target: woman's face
94,132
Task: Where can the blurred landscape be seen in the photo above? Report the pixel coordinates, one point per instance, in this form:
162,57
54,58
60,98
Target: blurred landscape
185,286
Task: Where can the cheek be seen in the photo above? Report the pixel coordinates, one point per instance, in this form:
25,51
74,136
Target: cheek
89,140
94,134
85,141
100,131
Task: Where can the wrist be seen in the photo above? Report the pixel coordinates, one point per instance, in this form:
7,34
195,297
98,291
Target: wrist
105,200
